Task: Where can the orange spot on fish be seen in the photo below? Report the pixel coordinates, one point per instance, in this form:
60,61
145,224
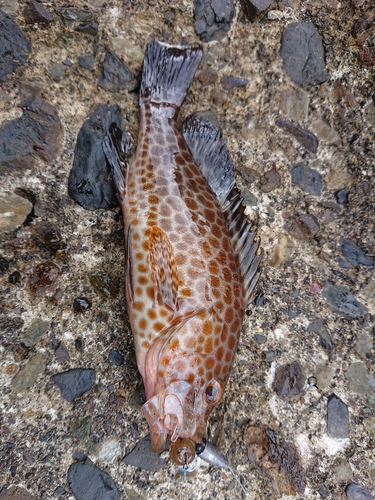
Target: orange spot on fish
217,370
207,327
151,314
174,344
209,363
214,242
229,315
228,357
215,282
138,290
158,326
200,339
142,324
231,342
142,280
190,378
145,344
142,268
224,333
186,292
219,353
208,345
138,306
214,268
150,292
145,246
236,326
200,371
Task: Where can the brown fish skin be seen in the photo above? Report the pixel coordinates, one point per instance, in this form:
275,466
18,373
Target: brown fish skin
184,287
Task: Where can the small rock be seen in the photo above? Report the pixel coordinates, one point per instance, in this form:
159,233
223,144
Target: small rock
115,358
73,383
342,471
319,327
357,492
16,493
307,179
315,287
337,418
31,88
15,48
342,302
361,382
342,196
61,353
213,18
37,133
58,71
70,15
34,12
103,284
81,429
138,398
270,180
304,227
289,380
364,343
324,375
338,179
303,54
294,104
87,62
4,265
306,138
207,77
116,76
143,457
341,93
13,211
280,462
29,374
256,9
89,183
282,251
249,199
324,131
230,82
324,256
354,254
260,339
81,304
87,482
88,28
37,329
44,278
367,56
107,450
50,235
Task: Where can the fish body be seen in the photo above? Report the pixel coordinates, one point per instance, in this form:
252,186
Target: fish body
185,287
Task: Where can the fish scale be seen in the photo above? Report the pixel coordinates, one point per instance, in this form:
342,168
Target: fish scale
184,278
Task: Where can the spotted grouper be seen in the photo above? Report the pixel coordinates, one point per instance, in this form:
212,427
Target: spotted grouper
192,259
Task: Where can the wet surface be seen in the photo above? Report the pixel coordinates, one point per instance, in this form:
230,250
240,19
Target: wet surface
328,195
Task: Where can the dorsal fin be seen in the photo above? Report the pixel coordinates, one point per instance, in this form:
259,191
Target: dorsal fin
163,268
211,154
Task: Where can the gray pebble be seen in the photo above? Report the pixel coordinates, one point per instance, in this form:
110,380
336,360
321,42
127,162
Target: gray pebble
307,179
289,380
306,138
144,457
87,62
87,482
354,254
36,330
357,492
342,302
337,418
116,76
74,383
28,375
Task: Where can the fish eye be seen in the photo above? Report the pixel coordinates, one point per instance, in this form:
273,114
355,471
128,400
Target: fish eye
213,392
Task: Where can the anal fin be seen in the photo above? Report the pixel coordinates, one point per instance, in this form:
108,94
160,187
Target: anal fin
163,268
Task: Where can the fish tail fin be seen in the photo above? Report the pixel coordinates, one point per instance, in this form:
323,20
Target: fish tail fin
168,71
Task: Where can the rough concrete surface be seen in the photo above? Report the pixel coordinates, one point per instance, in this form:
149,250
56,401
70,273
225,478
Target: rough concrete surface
329,334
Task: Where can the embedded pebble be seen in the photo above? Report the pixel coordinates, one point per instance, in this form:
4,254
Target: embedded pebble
13,211
230,82
71,15
304,227
29,374
50,235
115,358
15,48
306,138
44,278
34,12
89,183
73,383
213,18
207,77
88,482
342,302
143,457
256,9
324,375
4,265
37,133
61,353
16,493
81,304
361,382
278,461
249,199
342,196
107,450
342,471
354,254
367,56
81,429
87,62
14,278
289,380
357,492
88,28
294,104
270,180
282,251
307,179
103,284
324,132
337,418
116,76
303,54
364,343
36,330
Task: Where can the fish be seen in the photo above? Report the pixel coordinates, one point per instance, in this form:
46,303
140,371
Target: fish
192,256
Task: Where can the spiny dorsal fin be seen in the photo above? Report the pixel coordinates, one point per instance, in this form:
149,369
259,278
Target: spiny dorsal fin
163,268
116,146
211,154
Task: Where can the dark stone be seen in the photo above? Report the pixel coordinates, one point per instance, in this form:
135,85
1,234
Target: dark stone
342,196
289,380
319,327
278,461
88,28
89,183
81,304
4,265
342,302
144,457
87,482
303,54
270,180
230,82
61,353
44,278
14,278
50,235
357,492
38,132
15,48
16,493
87,62
104,285
337,418
207,77
115,358
213,18
307,179
260,339
304,227
256,9
70,15
116,76
306,138
73,383
354,254
34,12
